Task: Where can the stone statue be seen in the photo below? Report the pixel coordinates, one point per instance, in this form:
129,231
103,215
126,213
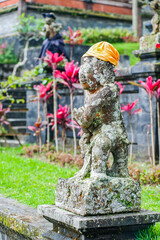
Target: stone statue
155,5
101,121
54,41
51,28
95,189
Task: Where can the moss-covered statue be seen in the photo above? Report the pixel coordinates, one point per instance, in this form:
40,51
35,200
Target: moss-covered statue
155,5
54,41
101,119
95,189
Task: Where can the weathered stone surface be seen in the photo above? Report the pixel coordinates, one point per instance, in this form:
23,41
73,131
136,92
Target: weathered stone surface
93,196
20,222
97,189
148,42
67,225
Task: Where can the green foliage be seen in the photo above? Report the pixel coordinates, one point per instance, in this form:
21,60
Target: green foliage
94,35
13,82
7,54
29,26
148,234
2,130
30,181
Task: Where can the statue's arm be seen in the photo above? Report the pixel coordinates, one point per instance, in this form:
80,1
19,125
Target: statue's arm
87,114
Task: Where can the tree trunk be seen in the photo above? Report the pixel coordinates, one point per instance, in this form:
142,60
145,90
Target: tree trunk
152,131
132,138
158,120
73,128
55,114
19,64
22,7
63,138
149,149
38,106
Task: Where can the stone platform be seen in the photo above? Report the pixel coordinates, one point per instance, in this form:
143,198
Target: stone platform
98,195
69,226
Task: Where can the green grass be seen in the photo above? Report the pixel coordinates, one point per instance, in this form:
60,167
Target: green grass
29,181
33,182
126,49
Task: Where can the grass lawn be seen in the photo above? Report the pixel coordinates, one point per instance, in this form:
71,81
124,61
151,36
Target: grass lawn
126,49
33,182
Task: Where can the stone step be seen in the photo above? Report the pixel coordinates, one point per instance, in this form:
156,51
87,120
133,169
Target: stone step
16,115
20,129
17,121
11,142
15,106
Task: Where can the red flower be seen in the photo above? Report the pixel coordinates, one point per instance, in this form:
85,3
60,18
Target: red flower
129,107
150,87
3,111
73,37
63,118
44,91
53,59
121,88
158,45
70,76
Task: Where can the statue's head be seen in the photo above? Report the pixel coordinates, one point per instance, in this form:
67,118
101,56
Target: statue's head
49,18
97,66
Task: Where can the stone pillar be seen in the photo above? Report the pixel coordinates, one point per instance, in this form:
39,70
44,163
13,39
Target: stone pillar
135,16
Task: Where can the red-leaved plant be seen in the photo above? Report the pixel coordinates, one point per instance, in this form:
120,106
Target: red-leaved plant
150,87
64,121
44,93
129,109
3,111
72,38
53,59
121,88
157,95
37,129
70,78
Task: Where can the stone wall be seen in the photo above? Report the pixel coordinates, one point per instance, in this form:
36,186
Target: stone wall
67,17
20,222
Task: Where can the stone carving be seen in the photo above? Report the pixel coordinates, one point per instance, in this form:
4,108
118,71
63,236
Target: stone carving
155,5
101,121
95,189
51,27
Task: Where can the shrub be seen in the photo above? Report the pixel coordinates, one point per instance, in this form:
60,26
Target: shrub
145,175
7,54
93,35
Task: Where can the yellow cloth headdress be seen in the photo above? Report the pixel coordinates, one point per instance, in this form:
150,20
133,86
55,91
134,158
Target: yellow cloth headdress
103,51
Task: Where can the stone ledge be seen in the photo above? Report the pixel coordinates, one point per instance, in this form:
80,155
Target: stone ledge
68,226
112,220
67,10
21,219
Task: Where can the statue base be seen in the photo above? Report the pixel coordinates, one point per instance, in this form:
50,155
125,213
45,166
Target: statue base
149,42
69,226
95,196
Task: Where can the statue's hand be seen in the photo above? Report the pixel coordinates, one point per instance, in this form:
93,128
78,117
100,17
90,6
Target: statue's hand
78,115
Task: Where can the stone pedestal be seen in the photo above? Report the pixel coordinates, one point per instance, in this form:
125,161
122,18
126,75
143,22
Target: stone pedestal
93,196
69,226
